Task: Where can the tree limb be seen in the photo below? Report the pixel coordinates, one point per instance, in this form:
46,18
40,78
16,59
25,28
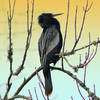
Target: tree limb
84,47
62,70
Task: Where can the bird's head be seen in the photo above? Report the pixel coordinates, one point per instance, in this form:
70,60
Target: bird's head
46,19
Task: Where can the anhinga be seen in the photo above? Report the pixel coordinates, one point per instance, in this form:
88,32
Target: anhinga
49,45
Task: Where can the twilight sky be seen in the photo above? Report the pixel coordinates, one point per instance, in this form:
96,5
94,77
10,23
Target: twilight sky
64,86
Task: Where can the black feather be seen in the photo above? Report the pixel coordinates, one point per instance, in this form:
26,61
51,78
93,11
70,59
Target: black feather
49,45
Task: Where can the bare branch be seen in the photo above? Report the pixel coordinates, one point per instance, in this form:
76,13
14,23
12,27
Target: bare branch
87,55
92,56
8,88
13,9
9,9
72,98
59,69
89,96
68,62
80,59
29,32
27,80
79,91
85,11
30,94
36,94
80,64
42,91
66,26
85,75
10,50
75,24
27,16
94,91
86,60
66,30
90,7
78,81
20,96
32,16
39,78
84,47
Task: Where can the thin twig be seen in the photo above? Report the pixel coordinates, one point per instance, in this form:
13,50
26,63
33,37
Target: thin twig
42,91
85,75
13,9
66,25
10,51
80,33
84,47
92,56
75,24
30,94
59,69
78,81
68,62
72,98
20,96
39,78
79,91
80,59
9,8
89,98
29,34
86,59
36,93
94,91
65,31
27,80
27,16
87,55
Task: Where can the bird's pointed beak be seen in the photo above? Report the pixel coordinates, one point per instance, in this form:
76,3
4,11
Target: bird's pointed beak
54,15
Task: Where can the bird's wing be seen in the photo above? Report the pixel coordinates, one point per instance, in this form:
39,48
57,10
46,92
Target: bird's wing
51,39
40,45
48,41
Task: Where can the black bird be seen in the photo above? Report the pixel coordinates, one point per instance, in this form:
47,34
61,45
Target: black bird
49,45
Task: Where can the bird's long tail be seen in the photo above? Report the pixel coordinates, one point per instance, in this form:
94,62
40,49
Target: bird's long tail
48,80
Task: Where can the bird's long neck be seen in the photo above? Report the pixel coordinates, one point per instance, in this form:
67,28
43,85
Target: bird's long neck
56,23
53,22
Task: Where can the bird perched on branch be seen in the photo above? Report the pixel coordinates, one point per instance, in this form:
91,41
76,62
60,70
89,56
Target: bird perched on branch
49,45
